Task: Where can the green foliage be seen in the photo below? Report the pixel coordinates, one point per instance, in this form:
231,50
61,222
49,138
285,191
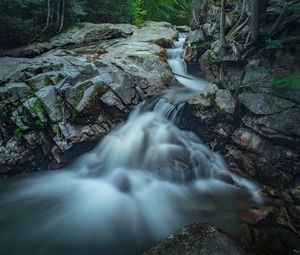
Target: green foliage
22,21
177,12
279,43
110,11
18,134
139,15
289,81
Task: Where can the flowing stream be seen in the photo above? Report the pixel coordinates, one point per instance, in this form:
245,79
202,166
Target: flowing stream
144,181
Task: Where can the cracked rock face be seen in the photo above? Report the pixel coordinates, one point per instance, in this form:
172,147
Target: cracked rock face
60,102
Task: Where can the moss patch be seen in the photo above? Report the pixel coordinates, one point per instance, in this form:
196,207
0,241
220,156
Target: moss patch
58,132
38,106
289,81
47,81
18,134
39,124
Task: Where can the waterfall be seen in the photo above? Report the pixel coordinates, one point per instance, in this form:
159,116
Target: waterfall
145,180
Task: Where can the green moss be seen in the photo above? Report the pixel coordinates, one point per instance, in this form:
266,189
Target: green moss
38,106
237,90
32,84
15,103
289,81
47,81
212,101
200,108
18,134
78,95
39,124
58,132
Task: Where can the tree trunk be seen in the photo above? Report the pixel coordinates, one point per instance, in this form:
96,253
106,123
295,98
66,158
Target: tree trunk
62,16
256,10
58,14
264,6
196,13
199,8
48,15
222,24
243,11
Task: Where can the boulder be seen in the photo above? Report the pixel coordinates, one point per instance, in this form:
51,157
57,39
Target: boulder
225,101
198,239
80,33
263,104
281,127
161,33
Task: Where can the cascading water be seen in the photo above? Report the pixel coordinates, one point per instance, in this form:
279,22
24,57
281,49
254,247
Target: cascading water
144,181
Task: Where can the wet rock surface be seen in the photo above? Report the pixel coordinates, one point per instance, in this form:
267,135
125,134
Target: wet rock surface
198,239
75,89
258,133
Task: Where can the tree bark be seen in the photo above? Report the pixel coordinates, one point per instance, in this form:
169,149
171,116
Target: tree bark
222,24
48,15
199,8
58,14
196,12
264,6
256,11
62,16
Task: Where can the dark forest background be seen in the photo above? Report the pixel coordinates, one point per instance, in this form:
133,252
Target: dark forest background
25,21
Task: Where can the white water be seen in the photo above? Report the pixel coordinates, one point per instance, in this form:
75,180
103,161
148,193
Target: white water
144,181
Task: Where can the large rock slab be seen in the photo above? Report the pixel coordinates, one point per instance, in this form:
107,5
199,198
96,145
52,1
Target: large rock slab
79,33
161,33
197,239
263,103
59,104
283,126
225,101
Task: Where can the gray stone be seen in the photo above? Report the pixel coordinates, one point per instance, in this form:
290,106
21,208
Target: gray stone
183,29
80,33
14,91
197,239
262,104
52,103
283,126
248,140
195,36
226,101
160,33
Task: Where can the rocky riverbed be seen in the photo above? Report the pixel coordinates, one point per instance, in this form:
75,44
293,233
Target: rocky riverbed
60,98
